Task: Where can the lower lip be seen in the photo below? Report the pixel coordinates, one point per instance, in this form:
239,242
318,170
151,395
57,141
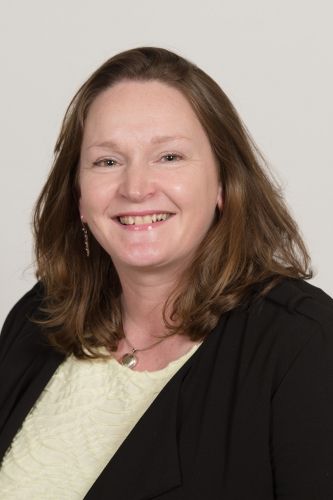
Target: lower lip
142,227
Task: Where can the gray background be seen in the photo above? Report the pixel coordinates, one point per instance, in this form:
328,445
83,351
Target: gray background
273,59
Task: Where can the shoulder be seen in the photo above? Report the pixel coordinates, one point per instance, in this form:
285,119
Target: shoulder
294,302
299,310
301,317
19,320
302,298
292,322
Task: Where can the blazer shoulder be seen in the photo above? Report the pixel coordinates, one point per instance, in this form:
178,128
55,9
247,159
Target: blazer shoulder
292,320
19,316
304,301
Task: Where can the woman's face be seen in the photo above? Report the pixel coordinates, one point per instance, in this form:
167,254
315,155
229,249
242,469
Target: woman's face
148,177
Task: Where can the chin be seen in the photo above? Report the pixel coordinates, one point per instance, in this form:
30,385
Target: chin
145,263
138,260
154,263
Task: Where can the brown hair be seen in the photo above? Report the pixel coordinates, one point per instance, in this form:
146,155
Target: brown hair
254,240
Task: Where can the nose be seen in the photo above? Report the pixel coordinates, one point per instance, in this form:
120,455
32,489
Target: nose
137,182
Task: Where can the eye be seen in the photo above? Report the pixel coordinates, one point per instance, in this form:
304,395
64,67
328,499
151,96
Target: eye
171,157
106,162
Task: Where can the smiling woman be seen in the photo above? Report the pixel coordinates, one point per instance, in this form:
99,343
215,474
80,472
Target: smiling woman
171,347
134,189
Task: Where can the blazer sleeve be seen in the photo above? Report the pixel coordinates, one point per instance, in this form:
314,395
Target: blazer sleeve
302,420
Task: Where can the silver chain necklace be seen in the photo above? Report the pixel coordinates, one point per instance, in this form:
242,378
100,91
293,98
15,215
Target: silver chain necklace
130,360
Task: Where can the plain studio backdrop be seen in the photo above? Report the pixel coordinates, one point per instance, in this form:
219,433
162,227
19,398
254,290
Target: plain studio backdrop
273,59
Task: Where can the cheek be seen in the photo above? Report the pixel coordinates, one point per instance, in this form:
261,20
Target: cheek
200,192
94,195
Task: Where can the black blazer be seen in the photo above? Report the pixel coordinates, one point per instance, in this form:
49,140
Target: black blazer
248,417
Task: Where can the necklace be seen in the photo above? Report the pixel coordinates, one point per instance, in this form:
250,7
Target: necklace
129,359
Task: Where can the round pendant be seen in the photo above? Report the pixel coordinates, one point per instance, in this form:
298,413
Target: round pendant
129,360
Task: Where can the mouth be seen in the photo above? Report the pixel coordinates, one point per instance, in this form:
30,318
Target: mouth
140,220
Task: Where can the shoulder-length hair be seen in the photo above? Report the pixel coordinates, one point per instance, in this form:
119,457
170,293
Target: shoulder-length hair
254,240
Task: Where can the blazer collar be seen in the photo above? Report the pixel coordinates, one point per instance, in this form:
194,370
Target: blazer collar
21,388
147,463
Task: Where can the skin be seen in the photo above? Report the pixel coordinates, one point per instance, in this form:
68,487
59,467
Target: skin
128,166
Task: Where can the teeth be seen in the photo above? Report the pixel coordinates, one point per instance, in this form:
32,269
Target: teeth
146,219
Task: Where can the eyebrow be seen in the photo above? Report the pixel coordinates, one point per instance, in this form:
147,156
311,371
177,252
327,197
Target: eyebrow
158,139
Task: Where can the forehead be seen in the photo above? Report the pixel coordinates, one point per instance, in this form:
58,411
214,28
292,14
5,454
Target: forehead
142,108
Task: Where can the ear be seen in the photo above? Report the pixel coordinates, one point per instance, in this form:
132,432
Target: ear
219,200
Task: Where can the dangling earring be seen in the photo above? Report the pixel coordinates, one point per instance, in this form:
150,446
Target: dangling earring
85,236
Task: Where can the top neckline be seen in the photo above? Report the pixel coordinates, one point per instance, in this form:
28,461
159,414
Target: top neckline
154,373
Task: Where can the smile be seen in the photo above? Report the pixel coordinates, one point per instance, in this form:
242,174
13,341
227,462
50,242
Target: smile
135,220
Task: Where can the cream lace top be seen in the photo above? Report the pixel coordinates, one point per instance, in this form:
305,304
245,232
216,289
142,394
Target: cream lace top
79,421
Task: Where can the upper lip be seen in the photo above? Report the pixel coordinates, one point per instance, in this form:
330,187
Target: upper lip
142,213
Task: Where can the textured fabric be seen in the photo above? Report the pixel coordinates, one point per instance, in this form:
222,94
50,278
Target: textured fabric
249,416
81,418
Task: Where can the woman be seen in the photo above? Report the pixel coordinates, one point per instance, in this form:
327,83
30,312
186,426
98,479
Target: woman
171,348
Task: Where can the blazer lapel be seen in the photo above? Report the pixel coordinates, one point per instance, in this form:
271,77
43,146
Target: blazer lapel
147,462
25,384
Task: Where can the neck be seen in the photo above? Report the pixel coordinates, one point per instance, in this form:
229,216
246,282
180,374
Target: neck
143,299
